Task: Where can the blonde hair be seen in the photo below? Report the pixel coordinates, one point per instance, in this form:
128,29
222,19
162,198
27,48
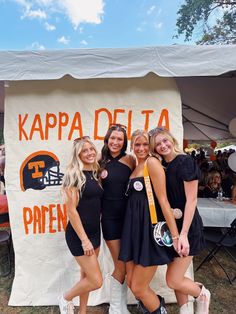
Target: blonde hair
137,134
74,177
211,176
153,134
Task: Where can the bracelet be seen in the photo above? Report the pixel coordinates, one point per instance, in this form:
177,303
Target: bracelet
175,238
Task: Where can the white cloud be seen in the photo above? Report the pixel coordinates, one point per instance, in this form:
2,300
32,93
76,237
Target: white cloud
32,14
49,27
36,46
151,9
158,25
80,11
84,42
142,27
77,11
63,40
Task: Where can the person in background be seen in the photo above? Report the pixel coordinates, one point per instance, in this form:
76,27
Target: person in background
116,167
2,169
213,184
82,193
182,174
139,250
233,196
227,182
193,154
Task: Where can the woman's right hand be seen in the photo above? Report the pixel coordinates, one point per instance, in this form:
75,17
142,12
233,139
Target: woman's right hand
87,247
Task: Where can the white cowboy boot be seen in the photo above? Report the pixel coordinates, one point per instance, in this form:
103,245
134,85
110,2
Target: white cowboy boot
186,308
124,299
115,297
66,307
203,300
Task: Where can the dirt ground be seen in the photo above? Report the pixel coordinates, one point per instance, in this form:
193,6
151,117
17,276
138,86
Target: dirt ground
223,293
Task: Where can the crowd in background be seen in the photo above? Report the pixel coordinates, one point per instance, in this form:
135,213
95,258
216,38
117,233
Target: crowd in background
217,179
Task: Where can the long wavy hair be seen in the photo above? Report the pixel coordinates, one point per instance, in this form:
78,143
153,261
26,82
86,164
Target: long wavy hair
74,177
153,134
105,152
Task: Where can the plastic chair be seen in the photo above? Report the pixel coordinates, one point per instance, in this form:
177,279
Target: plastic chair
222,242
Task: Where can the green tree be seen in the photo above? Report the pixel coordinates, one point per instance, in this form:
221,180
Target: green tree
196,12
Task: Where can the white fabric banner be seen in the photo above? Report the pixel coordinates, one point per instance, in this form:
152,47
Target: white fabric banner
41,120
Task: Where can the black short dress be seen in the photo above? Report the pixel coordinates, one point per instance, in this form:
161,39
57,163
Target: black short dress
89,209
115,178
137,243
184,168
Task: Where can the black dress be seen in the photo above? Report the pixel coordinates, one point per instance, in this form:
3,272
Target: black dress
184,168
115,178
137,243
89,209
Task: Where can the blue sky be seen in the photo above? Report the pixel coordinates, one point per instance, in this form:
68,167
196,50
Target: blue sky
64,24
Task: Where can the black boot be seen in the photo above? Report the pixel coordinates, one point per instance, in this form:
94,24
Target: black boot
142,308
162,308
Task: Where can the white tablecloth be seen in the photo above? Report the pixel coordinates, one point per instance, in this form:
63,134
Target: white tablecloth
216,213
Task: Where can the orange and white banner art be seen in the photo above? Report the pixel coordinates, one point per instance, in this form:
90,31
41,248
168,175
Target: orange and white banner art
41,120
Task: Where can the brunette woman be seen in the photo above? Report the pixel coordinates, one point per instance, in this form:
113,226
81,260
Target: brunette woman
116,167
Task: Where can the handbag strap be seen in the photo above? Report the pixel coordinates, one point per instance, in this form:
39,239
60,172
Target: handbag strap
151,203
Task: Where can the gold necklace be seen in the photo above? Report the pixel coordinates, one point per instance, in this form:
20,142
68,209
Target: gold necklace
90,175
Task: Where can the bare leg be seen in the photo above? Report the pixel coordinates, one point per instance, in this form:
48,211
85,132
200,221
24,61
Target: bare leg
118,296
140,281
92,280
175,278
129,273
84,297
119,266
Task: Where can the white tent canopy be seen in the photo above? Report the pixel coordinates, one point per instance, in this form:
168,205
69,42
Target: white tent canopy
208,94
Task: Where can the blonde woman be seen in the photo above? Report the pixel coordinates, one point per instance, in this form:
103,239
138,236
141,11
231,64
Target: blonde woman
138,248
182,176
213,185
82,193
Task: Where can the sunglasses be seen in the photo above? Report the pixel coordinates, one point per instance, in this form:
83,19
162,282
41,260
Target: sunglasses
118,125
155,130
78,139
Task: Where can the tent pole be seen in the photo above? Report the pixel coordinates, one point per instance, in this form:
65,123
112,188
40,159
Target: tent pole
205,115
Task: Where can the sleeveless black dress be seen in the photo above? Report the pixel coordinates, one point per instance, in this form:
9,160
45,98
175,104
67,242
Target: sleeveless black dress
114,200
137,243
184,168
89,209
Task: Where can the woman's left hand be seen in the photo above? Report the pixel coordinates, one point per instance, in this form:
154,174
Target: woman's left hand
183,245
175,244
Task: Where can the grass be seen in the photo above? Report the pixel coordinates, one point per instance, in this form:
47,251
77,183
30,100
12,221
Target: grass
223,293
